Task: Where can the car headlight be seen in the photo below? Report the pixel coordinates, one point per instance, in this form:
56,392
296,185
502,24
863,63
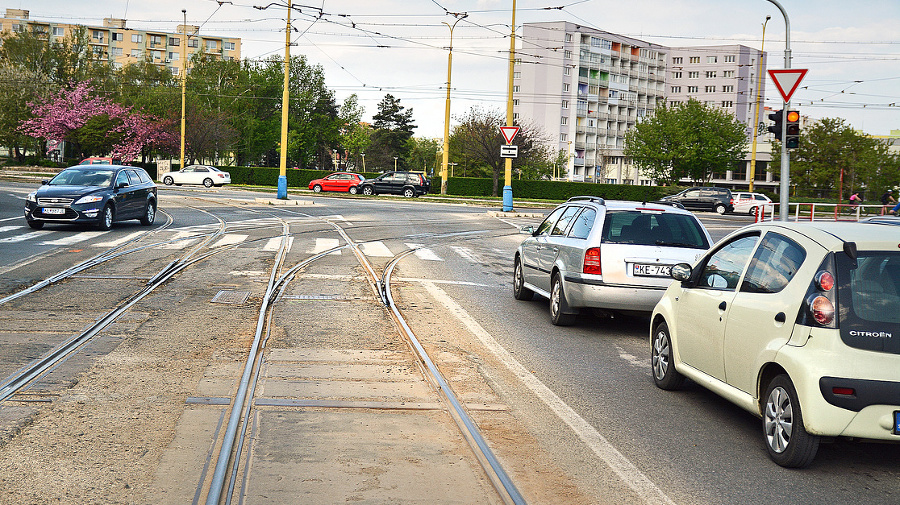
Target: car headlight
88,199
31,197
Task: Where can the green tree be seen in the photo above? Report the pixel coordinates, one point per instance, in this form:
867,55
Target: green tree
21,86
422,155
687,139
355,135
393,127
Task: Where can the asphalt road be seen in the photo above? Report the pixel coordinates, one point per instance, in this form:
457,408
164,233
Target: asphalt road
688,446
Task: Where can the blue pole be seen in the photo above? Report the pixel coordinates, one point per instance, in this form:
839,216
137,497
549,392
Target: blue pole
282,187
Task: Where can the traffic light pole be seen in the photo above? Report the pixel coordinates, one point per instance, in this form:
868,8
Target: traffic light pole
785,157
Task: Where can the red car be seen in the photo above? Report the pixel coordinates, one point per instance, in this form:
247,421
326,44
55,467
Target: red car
338,181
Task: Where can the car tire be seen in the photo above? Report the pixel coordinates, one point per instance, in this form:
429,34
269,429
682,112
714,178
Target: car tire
35,225
409,192
208,182
720,209
353,190
149,214
752,211
786,438
661,363
558,305
168,181
368,190
106,218
317,189
520,292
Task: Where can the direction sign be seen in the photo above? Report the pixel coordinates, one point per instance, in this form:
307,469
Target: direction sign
509,151
787,81
509,133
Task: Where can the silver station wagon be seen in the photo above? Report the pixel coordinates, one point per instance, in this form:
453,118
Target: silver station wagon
613,256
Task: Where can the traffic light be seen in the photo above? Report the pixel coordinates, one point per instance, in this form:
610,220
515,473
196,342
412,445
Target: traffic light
792,134
776,118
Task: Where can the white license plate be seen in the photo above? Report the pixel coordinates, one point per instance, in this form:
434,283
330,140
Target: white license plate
53,210
642,270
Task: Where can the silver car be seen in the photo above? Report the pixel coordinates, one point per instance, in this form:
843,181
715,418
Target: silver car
611,256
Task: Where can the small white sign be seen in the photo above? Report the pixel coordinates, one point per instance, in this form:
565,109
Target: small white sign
509,151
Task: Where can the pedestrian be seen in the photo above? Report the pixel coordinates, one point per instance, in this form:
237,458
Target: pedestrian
888,198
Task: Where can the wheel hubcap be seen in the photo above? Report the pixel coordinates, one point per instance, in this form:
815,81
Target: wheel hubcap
554,299
779,420
660,355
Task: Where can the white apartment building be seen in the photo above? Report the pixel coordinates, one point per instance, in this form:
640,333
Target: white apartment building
585,87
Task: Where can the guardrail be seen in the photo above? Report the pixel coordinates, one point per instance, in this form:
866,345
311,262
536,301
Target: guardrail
799,211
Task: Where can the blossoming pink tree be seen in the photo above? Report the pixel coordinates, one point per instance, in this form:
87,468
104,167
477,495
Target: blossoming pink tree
55,118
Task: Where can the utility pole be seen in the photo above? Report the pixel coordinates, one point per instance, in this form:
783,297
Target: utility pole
446,154
785,156
183,82
285,104
507,187
756,114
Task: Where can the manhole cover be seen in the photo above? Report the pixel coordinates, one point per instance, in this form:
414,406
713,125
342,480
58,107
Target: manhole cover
231,297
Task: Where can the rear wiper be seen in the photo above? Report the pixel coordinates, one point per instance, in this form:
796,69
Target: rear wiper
675,244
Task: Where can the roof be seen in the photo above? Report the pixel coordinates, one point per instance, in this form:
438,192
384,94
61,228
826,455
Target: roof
833,234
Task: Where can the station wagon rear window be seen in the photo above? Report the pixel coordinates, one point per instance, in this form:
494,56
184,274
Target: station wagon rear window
662,229
869,300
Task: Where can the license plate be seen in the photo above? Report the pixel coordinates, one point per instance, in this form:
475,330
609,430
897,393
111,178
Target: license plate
53,210
897,422
642,270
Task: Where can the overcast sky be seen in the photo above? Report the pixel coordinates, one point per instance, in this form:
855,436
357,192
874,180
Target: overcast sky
374,47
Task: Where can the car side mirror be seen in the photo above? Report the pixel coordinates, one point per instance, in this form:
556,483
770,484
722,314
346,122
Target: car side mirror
527,229
121,185
44,182
681,272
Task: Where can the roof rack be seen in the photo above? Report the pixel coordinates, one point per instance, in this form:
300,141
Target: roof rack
677,205
596,199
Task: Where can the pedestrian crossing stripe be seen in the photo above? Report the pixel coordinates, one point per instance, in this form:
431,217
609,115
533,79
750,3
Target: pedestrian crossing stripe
229,239
25,236
74,239
324,244
274,244
424,253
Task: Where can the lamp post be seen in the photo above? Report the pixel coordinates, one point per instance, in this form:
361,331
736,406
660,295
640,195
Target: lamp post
756,114
183,82
395,163
785,157
364,160
285,103
446,156
507,188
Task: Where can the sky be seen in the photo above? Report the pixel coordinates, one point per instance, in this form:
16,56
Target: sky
374,47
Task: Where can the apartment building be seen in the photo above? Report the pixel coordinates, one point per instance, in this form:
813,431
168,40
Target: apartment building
115,43
585,87
727,76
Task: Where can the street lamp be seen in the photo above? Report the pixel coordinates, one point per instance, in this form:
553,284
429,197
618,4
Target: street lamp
183,81
364,160
395,163
756,114
446,156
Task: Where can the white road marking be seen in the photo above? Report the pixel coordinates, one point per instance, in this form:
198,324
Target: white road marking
25,236
74,239
376,249
424,253
274,244
180,244
9,228
336,217
113,243
230,239
11,218
634,360
624,468
324,244
466,253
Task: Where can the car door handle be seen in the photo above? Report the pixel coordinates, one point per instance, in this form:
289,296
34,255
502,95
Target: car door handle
722,306
780,317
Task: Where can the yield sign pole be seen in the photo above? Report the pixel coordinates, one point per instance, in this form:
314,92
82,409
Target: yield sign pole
785,157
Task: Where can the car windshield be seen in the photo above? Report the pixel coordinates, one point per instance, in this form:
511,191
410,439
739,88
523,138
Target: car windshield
869,298
99,178
661,229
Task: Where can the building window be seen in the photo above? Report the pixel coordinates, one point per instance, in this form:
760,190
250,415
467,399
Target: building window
567,54
711,59
728,89
568,37
515,102
565,87
728,73
692,89
174,41
727,104
515,116
710,74
710,89
517,75
137,53
228,46
137,38
694,75
115,51
677,60
59,31
563,137
173,56
676,89
117,36
729,59
695,59
211,45
175,71
565,104
606,44
515,89
156,40
563,121
567,70
676,75
193,43
98,36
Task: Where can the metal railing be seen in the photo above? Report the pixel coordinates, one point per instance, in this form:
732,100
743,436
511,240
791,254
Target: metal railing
799,211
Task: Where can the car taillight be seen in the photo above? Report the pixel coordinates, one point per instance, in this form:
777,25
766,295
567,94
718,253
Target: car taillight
592,261
821,309
824,280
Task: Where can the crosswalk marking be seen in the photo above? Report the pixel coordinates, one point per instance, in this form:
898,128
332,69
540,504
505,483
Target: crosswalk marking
230,239
376,249
324,244
25,236
424,253
274,244
466,253
118,241
9,228
179,244
74,239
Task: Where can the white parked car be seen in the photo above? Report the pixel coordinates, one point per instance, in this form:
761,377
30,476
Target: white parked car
798,323
747,203
612,256
197,174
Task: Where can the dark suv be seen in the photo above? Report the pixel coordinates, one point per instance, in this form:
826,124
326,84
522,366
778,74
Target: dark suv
408,184
704,198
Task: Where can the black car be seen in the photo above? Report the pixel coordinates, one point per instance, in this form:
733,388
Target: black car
408,184
97,194
704,198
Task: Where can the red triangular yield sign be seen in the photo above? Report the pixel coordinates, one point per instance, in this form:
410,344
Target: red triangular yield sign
787,79
509,133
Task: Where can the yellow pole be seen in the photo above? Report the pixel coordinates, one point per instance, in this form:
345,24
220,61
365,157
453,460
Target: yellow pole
183,81
285,103
446,156
756,114
507,188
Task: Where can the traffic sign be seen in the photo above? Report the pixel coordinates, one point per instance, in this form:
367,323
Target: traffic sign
509,151
787,81
509,133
